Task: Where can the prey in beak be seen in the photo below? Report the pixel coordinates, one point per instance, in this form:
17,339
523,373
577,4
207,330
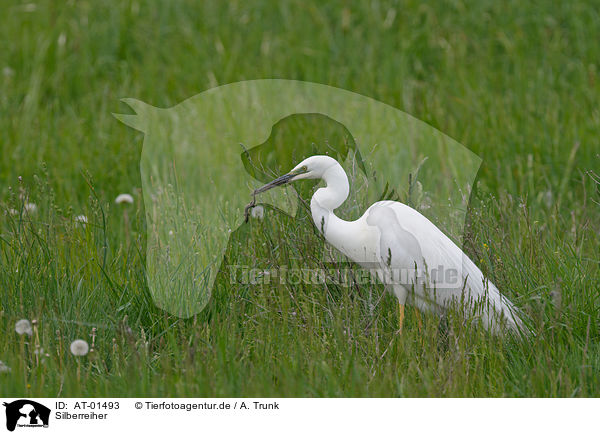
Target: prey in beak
282,180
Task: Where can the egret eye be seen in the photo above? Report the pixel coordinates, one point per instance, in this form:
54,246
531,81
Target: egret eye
304,169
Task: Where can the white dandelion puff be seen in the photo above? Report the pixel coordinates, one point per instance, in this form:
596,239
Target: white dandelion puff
29,7
8,71
81,219
548,198
258,212
389,18
4,367
23,327
30,207
79,347
124,198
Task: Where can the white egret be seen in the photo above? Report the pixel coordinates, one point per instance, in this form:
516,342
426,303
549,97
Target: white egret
415,260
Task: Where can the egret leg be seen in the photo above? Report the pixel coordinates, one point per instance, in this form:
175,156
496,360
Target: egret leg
400,318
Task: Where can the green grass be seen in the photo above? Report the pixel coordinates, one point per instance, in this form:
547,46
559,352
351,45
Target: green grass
516,83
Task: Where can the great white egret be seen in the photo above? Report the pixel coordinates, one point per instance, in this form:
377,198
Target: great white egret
415,260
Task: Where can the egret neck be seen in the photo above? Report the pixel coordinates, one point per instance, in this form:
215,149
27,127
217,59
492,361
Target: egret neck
328,198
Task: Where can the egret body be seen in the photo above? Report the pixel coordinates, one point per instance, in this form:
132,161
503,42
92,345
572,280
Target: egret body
403,248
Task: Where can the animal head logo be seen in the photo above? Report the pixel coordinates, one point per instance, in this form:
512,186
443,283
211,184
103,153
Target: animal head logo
25,412
202,158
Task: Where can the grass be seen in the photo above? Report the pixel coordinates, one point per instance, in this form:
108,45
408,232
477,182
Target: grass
515,83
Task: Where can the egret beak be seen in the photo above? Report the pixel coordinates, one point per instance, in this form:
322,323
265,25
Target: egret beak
282,180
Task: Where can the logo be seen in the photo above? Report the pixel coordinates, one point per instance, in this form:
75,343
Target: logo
26,413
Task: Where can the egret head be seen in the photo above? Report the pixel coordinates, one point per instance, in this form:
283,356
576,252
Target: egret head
312,168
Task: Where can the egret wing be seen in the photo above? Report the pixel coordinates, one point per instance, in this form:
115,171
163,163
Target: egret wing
444,273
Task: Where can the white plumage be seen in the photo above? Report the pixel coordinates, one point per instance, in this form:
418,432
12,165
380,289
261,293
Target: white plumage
415,260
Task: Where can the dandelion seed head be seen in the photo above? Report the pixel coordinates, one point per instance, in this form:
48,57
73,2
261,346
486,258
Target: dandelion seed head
79,347
258,212
556,295
29,7
23,327
548,198
124,198
30,207
8,71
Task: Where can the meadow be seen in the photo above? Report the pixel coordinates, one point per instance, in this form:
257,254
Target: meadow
517,84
